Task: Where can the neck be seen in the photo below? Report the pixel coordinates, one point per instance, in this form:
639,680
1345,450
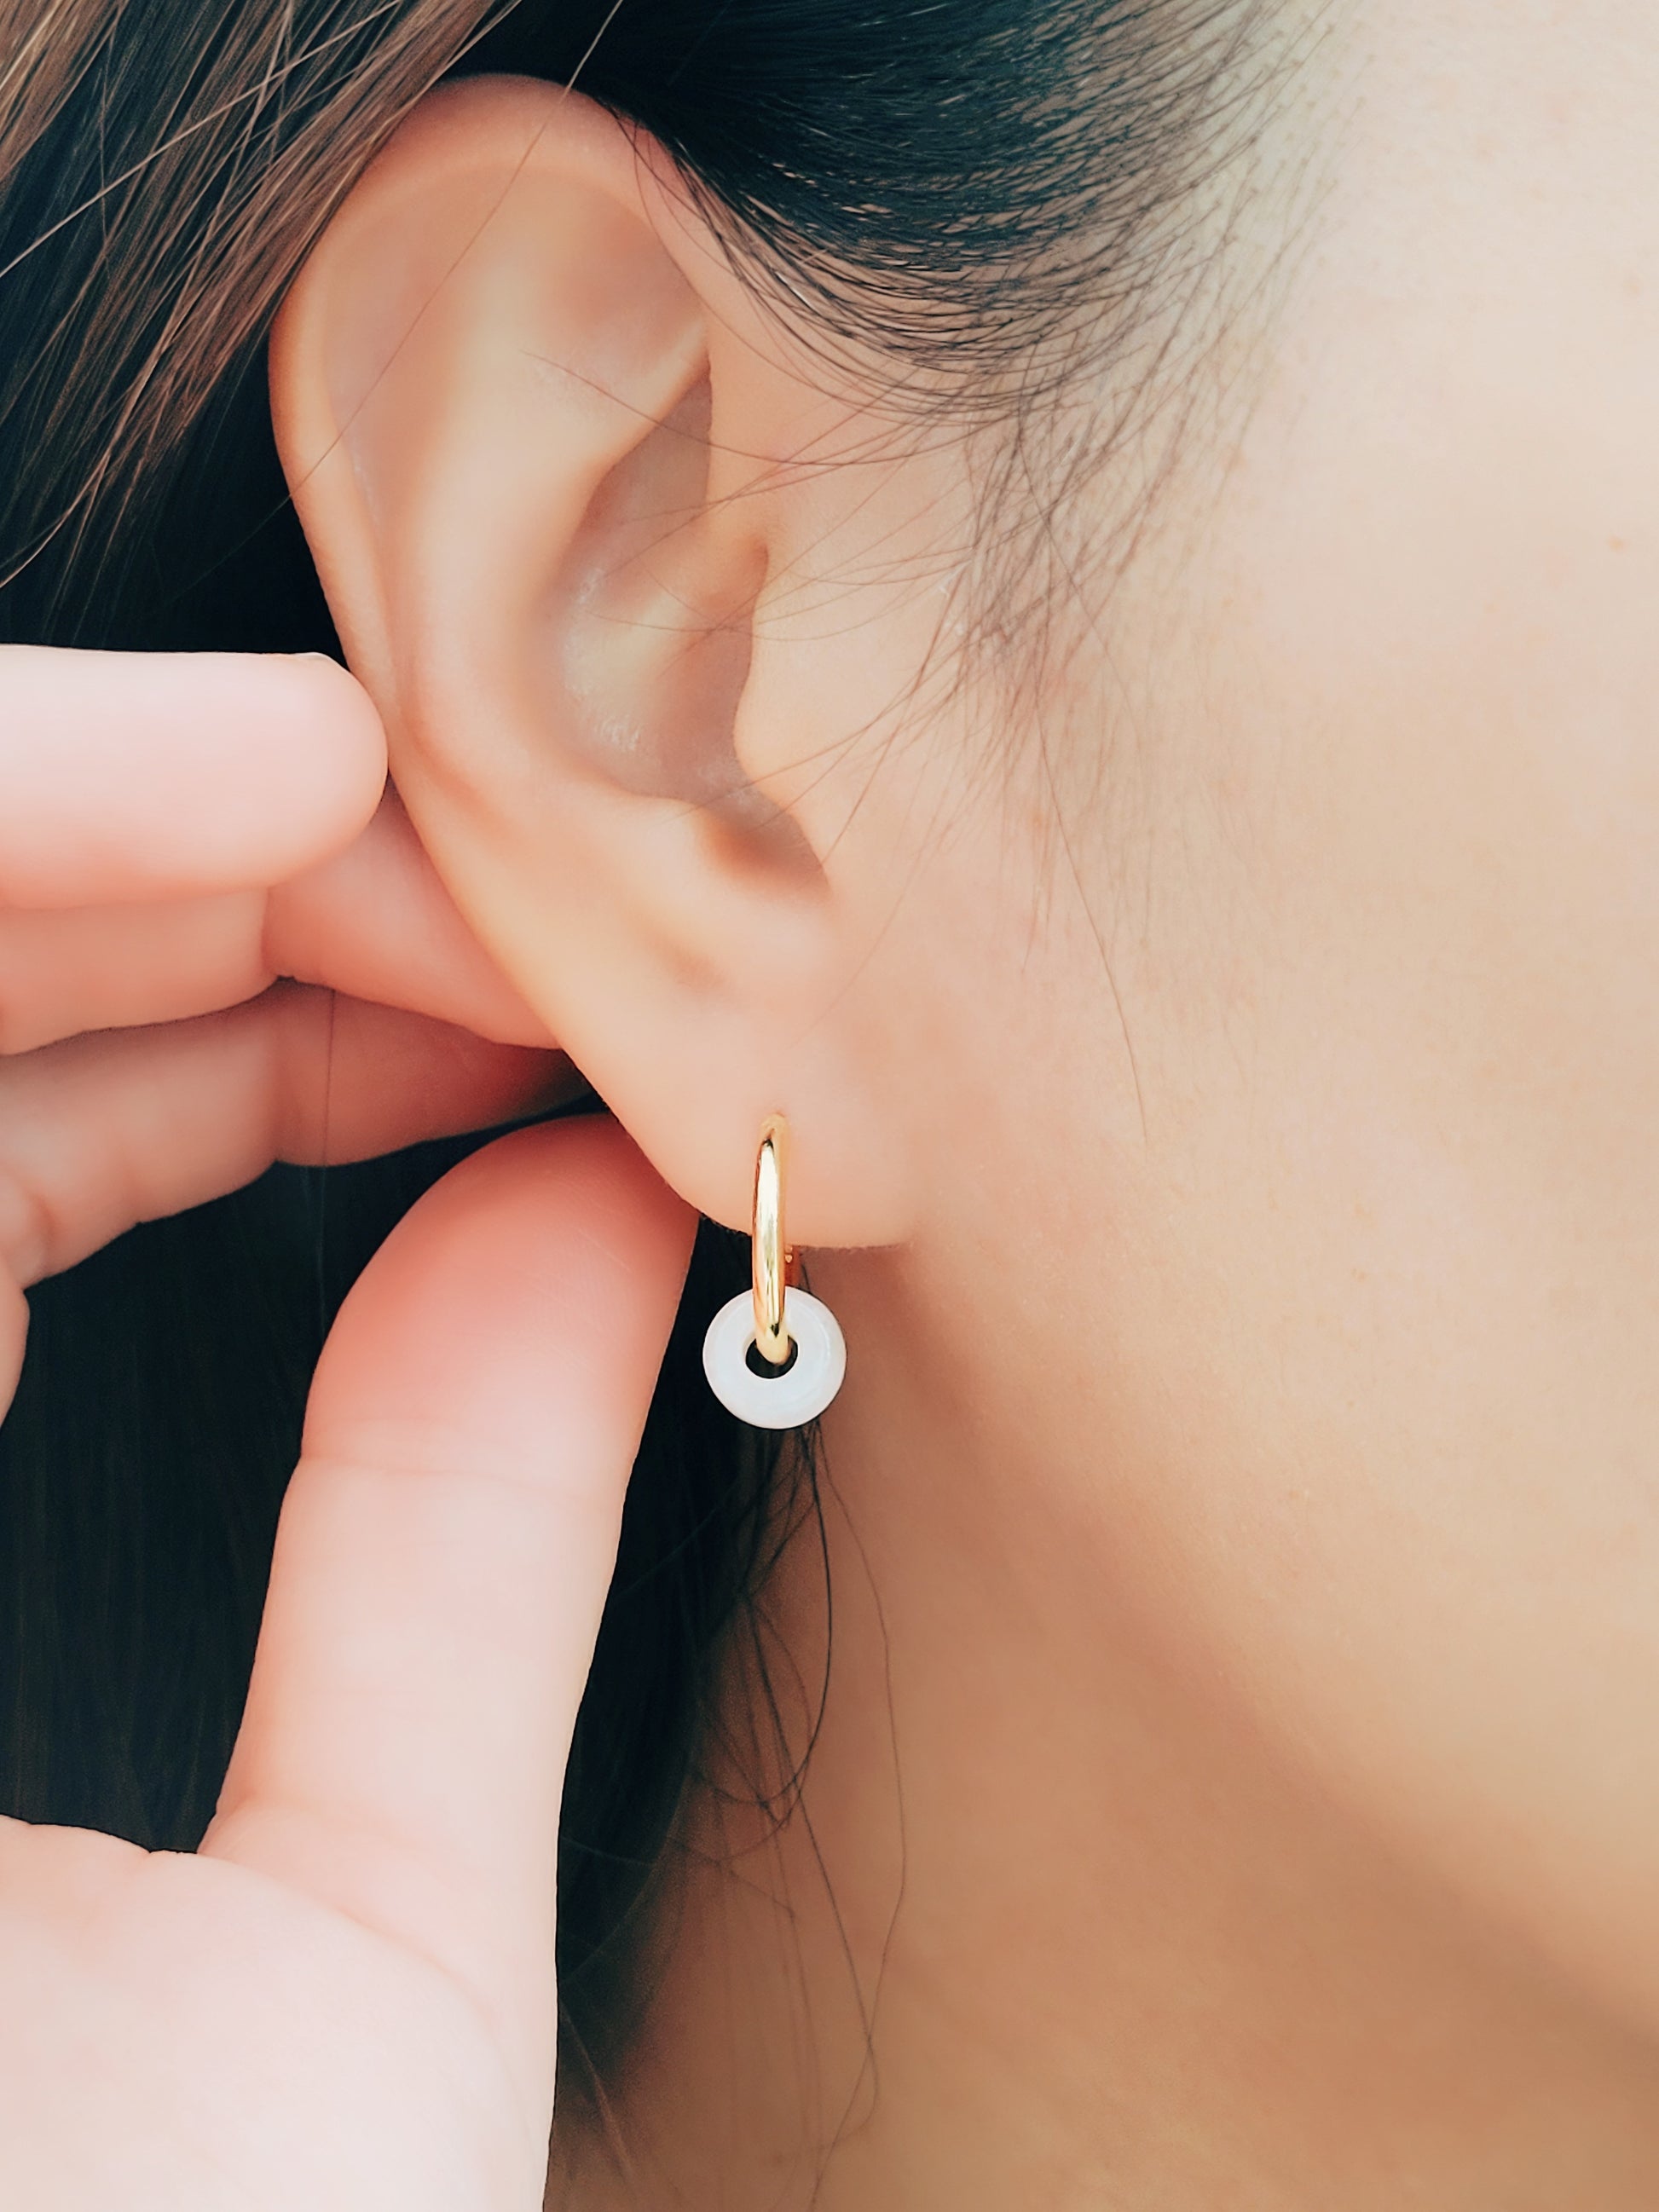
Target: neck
1045,1919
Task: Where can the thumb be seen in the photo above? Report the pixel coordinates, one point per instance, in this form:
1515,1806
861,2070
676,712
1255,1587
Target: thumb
443,1562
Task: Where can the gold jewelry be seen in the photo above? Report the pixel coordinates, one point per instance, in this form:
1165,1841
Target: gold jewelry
772,1256
773,1355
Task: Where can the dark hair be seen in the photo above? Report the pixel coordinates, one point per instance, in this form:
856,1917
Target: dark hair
991,191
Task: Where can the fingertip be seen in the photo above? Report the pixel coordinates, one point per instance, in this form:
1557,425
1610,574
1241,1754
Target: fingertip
608,1202
589,1167
572,1179
319,706
537,1283
139,775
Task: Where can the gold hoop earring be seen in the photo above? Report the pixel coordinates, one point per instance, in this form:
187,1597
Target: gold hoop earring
773,1355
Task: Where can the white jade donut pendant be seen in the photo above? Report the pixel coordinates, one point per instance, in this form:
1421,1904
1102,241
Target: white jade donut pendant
803,1389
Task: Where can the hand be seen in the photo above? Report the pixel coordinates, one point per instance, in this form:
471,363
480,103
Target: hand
344,1999
176,832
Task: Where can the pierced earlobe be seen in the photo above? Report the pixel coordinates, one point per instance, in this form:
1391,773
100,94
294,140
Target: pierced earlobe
773,1355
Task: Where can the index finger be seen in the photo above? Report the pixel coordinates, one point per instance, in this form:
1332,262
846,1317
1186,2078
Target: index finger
142,775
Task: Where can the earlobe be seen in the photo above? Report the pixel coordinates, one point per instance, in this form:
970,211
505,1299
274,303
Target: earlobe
497,401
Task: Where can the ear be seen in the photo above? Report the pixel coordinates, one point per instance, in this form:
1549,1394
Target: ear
549,459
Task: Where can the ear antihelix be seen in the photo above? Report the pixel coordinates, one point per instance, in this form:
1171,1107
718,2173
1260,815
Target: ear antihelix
773,1355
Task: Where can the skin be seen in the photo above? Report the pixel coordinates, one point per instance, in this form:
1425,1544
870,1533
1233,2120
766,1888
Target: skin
1244,1649
344,1998
1222,1076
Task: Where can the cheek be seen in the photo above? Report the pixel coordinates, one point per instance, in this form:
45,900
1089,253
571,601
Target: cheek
1415,1228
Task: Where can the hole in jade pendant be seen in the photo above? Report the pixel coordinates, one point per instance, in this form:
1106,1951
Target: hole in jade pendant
757,1363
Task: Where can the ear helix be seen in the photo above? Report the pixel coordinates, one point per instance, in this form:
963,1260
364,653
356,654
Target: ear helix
775,1356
